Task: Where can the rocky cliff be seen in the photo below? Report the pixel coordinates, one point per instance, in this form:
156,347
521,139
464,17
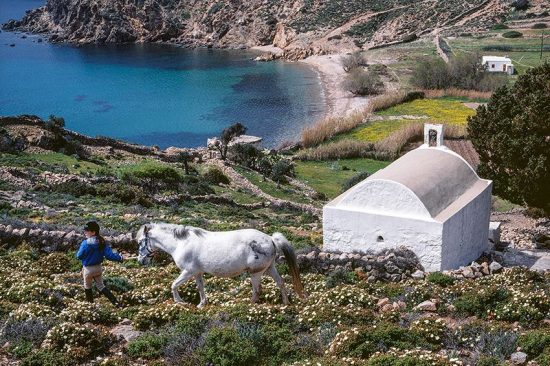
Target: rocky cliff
299,27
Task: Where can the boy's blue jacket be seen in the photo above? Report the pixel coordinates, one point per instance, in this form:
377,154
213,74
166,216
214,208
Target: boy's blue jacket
90,254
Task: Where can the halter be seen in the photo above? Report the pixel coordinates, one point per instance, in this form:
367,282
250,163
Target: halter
149,251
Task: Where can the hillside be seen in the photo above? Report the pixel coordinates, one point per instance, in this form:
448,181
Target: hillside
366,309
300,28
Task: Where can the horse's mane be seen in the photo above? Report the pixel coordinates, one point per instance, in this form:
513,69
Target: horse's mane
180,232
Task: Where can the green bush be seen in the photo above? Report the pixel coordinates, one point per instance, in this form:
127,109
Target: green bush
488,361
499,26
534,342
390,360
478,302
361,82
148,346
544,358
512,34
510,135
383,337
122,193
214,175
340,276
195,186
193,324
152,176
225,347
354,180
281,170
440,279
45,358
118,284
540,26
75,188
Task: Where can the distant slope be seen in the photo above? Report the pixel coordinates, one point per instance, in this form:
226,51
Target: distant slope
300,27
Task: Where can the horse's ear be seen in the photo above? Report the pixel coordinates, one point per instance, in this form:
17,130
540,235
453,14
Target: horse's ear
146,229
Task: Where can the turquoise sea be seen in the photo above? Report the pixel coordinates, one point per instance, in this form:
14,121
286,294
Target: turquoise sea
153,94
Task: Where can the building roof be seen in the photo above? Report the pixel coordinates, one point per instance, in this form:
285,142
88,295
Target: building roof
495,59
428,183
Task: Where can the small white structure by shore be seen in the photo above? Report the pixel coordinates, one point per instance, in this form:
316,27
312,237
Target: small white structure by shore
498,64
429,200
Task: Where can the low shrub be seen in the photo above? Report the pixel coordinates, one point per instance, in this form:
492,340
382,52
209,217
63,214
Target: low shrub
512,34
46,358
499,26
354,180
353,61
363,343
118,284
214,175
75,188
81,312
534,342
480,302
24,331
391,360
280,170
441,279
340,276
225,347
123,193
539,26
195,186
361,82
78,341
148,346
152,176
488,361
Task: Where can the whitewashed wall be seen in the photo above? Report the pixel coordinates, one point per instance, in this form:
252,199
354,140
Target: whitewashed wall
466,233
348,230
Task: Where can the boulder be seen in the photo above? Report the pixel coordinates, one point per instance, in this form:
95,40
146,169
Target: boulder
418,275
126,332
495,267
467,272
494,232
518,358
426,306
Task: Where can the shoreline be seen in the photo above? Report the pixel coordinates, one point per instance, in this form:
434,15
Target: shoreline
339,102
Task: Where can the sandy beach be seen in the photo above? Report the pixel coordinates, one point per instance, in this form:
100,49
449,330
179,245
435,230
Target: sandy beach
331,74
339,101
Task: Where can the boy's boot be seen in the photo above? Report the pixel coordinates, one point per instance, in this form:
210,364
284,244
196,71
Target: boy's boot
108,294
89,295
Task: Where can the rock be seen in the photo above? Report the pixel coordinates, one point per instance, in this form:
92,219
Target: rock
126,332
125,321
467,272
475,266
311,255
343,257
495,267
382,302
395,277
518,358
418,275
478,274
387,308
427,306
485,268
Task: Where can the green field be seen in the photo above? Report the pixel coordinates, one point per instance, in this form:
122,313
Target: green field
524,52
327,177
445,110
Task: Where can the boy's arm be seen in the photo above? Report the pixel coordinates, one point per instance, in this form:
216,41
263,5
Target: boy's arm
82,250
110,255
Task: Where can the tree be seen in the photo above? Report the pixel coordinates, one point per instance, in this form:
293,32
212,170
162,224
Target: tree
55,122
430,74
227,135
512,137
184,157
280,170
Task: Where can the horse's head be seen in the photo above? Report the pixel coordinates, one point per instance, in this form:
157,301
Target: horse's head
145,251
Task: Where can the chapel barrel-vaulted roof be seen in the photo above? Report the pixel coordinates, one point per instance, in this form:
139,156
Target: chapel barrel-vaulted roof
428,182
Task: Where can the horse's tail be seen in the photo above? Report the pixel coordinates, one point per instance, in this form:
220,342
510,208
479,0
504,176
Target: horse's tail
290,257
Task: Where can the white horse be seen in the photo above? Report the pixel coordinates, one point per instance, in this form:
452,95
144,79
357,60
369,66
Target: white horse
225,254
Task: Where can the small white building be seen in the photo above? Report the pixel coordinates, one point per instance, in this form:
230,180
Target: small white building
429,200
498,64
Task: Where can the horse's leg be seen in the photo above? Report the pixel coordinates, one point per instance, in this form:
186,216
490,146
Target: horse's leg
200,286
256,279
272,271
184,276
